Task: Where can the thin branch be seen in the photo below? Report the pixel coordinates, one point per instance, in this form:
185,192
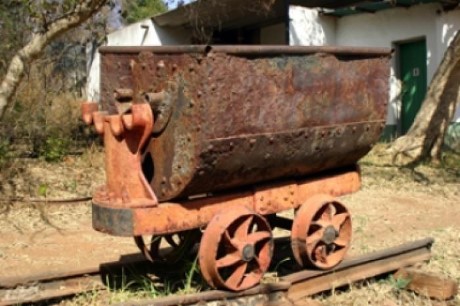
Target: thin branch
82,11
45,200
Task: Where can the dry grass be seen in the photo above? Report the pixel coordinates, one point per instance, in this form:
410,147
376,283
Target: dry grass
386,291
74,176
397,205
378,170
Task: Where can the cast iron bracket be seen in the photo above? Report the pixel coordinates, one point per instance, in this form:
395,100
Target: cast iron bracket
124,137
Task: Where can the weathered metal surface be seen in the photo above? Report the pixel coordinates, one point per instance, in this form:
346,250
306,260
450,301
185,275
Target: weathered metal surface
172,217
124,136
321,232
273,198
306,283
236,249
236,116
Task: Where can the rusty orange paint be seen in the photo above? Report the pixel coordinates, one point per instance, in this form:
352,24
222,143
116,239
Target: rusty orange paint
272,198
124,136
334,185
236,249
171,217
321,232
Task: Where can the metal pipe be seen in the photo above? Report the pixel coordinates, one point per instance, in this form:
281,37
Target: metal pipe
252,50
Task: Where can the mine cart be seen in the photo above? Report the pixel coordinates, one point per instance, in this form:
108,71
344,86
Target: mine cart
209,143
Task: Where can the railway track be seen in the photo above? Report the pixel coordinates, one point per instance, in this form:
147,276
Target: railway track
289,289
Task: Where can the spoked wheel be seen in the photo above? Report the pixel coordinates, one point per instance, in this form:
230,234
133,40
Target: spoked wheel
236,249
321,232
173,246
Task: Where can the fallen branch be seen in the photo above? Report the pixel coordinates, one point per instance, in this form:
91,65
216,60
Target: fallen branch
51,201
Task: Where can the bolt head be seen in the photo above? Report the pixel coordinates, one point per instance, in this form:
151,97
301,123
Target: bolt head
329,235
248,252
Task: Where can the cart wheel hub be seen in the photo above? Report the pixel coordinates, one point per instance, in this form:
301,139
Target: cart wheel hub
329,235
248,252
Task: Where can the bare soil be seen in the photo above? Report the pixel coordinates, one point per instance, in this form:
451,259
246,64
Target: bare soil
44,236
393,206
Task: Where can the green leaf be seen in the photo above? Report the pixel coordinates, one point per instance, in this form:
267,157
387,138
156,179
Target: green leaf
141,9
43,190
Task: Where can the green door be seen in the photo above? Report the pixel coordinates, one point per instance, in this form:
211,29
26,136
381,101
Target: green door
412,62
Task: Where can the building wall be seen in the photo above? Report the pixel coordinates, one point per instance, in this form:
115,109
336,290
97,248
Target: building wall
308,28
385,28
389,27
142,33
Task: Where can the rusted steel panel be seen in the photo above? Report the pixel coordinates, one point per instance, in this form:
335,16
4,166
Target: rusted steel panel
332,184
185,215
272,198
234,116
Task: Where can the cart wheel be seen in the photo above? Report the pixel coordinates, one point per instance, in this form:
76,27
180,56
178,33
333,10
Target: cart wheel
176,246
236,249
321,232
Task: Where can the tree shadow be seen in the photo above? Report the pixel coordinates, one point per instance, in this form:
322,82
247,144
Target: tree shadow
416,175
162,279
158,279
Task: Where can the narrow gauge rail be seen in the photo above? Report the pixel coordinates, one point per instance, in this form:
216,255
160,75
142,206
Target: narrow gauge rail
288,290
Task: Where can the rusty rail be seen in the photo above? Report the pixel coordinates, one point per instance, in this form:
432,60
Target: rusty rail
289,289
299,285
45,291
307,283
50,286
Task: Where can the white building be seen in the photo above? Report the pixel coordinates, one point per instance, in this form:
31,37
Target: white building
418,30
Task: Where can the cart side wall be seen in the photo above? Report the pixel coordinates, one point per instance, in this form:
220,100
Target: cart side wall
237,120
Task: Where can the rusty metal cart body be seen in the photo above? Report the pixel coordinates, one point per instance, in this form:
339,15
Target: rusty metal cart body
222,138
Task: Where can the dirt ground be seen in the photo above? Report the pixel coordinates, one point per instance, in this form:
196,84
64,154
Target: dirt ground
393,206
37,237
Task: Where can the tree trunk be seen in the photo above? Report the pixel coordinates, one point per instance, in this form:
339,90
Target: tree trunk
82,11
426,135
